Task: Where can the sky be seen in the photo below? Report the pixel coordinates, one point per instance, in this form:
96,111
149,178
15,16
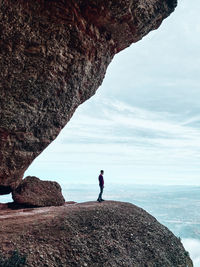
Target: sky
143,124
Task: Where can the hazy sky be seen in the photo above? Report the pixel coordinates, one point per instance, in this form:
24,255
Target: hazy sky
143,124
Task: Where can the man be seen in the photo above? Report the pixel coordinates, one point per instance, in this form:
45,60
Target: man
101,185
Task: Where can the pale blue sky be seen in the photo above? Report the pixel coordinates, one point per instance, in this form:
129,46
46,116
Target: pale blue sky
143,124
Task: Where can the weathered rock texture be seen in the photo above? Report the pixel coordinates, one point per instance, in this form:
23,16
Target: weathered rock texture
90,234
34,192
53,56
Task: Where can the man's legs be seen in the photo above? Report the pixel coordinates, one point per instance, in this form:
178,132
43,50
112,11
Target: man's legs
100,194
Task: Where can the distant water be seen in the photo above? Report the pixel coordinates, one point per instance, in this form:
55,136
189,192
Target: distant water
177,207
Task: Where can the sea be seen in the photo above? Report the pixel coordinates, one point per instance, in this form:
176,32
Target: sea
177,207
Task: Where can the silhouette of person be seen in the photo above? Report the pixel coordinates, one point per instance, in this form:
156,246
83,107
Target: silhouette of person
101,185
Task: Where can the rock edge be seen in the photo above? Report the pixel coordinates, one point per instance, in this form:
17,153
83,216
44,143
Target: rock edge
102,234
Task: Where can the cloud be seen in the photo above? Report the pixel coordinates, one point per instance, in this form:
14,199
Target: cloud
194,120
126,138
193,247
119,122
146,113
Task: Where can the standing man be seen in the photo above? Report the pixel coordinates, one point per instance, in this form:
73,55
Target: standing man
101,185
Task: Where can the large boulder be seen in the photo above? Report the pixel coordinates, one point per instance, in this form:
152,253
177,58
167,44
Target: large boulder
90,235
53,57
34,192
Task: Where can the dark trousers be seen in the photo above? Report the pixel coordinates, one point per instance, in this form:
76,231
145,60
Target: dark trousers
101,192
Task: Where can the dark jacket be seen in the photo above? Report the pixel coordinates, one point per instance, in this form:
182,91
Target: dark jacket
101,181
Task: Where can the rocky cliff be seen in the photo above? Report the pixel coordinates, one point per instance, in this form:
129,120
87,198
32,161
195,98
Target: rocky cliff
89,234
53,57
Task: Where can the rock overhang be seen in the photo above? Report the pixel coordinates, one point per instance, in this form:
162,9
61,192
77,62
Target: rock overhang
53,57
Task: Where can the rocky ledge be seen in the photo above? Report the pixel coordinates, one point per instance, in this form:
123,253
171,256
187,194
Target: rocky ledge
89,234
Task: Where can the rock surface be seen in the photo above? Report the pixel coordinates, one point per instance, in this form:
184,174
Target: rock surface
90,234
53,57
37,193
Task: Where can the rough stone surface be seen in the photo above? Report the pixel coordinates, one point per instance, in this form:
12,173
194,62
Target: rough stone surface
90,234
53,57
34,192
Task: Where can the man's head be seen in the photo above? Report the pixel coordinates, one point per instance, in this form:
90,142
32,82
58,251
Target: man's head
102,172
